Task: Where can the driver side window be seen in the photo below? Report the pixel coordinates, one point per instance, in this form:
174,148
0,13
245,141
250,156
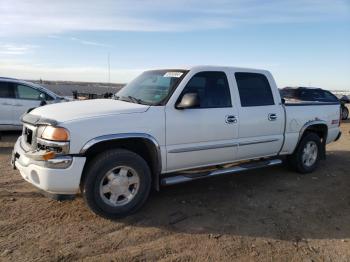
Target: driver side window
26,92
212,88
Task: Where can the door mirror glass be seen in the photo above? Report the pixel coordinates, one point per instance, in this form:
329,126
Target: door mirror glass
42,97
189,100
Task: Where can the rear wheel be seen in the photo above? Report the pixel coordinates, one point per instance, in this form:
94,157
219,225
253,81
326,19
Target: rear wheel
306,157
117,183
344,113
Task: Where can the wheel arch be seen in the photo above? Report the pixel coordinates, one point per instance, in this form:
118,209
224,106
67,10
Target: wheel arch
318,127
142,144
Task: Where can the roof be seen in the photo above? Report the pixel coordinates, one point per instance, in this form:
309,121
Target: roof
213,67
34,85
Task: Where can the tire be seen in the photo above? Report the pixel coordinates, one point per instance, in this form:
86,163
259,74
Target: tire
344,113
300,160
116,183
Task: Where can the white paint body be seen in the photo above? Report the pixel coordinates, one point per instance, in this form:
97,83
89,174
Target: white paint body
192,130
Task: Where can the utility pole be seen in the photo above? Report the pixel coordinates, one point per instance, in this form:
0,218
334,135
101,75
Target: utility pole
109,67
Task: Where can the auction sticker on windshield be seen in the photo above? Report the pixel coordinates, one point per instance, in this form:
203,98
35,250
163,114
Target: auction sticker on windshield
173,74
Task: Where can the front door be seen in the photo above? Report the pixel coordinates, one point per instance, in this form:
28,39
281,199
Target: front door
205,135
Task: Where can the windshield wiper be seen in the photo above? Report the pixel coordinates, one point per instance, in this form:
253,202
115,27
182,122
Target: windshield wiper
136,100
131,99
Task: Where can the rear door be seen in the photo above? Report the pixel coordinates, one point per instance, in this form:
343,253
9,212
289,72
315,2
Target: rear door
6,108
26,98
261,117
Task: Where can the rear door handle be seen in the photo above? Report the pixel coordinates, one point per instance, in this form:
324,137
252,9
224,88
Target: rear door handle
231,119
18,105
272,117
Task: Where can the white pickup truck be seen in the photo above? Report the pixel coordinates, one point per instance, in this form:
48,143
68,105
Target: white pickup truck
167,127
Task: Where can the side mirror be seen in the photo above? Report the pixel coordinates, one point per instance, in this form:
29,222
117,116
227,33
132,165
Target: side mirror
283,101
42,96
188,100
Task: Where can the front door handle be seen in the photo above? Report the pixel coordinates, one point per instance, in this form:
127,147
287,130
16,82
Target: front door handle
272,117
231,119
6,104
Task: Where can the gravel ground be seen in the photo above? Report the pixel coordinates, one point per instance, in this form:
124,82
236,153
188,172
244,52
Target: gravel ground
267,215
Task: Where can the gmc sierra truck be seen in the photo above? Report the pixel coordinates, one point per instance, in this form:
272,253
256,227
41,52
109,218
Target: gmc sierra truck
167,127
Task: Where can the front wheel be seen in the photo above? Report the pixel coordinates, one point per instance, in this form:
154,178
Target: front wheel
117,183
306,156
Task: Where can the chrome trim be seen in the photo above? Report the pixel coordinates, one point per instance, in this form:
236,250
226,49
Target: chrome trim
60,162
272,117
231,170
217,146
49,143
230,119
257,142
200,148
25,145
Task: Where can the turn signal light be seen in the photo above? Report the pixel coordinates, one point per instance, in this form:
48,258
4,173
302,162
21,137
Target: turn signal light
55,133
48,155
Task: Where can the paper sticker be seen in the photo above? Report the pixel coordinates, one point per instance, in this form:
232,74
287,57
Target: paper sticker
173,74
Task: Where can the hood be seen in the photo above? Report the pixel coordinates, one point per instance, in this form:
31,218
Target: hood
62,112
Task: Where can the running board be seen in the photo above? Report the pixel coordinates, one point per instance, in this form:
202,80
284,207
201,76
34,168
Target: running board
181,178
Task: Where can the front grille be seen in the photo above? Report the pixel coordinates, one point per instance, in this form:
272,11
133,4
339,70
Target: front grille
28,140
28,135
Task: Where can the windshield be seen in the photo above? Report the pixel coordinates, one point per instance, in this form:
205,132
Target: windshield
151,87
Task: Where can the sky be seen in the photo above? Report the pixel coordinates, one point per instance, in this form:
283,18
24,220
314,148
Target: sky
302,42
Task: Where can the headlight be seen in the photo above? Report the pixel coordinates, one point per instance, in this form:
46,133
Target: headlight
54,133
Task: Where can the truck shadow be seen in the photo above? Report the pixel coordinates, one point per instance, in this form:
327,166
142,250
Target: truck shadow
273,202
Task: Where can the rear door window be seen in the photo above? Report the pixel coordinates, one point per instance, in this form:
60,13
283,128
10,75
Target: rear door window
254,89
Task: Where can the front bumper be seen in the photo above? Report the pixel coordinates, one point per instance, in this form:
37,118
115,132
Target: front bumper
50,176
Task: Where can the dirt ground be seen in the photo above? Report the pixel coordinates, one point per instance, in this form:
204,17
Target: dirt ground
267,215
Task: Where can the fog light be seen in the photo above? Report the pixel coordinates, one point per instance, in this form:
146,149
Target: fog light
34,177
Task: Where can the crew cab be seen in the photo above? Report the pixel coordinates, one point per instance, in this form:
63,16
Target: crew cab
166,127
19,96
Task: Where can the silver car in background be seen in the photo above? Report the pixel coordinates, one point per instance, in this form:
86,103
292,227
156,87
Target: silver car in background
18,97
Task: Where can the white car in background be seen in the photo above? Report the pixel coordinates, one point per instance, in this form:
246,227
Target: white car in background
18,97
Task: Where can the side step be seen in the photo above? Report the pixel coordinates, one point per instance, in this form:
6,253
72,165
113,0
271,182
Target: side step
181,178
